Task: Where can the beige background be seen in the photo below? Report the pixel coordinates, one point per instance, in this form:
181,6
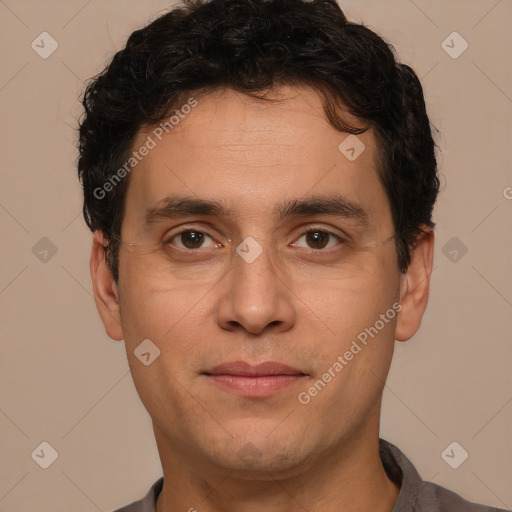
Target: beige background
63,381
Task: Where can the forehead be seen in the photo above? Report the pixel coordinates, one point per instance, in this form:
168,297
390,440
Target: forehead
252,155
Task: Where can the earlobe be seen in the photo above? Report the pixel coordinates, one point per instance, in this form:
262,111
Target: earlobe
414,286
105,289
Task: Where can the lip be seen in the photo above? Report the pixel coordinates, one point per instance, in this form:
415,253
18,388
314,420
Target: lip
243,369
261,380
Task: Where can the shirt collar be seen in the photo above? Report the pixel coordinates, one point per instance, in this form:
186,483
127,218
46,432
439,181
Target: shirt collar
414,492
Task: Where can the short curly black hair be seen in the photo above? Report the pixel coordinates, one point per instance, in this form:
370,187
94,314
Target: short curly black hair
252,46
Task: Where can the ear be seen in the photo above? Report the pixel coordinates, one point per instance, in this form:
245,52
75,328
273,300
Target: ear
105,290
414,286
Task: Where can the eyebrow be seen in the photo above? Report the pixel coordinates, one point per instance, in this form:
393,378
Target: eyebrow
331,205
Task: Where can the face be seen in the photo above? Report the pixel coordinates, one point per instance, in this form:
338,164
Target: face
302,292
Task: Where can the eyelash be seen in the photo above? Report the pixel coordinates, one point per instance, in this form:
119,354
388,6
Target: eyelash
168,241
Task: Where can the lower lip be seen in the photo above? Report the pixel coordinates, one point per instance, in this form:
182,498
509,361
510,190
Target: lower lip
255,386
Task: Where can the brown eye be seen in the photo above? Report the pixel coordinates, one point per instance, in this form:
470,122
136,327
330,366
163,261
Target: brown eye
317,239
192,239
189,239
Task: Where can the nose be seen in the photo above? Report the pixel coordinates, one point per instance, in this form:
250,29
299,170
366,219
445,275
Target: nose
254,297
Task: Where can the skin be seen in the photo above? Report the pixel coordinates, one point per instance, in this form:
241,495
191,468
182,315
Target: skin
321,456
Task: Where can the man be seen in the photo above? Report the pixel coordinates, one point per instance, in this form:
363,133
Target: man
260,178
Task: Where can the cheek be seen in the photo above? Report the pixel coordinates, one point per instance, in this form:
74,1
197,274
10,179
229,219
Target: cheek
154,306
170,320
351,303
356,346
342,316
160,315
348,315
176,321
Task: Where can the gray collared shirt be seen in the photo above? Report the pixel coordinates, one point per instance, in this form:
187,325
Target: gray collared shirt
415,494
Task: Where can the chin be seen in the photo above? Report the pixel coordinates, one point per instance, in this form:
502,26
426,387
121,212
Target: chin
256,454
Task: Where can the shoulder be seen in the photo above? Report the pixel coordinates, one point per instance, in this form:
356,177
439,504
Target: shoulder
418,495
449,501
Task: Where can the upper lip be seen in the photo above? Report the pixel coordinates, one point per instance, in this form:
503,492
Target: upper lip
244,369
